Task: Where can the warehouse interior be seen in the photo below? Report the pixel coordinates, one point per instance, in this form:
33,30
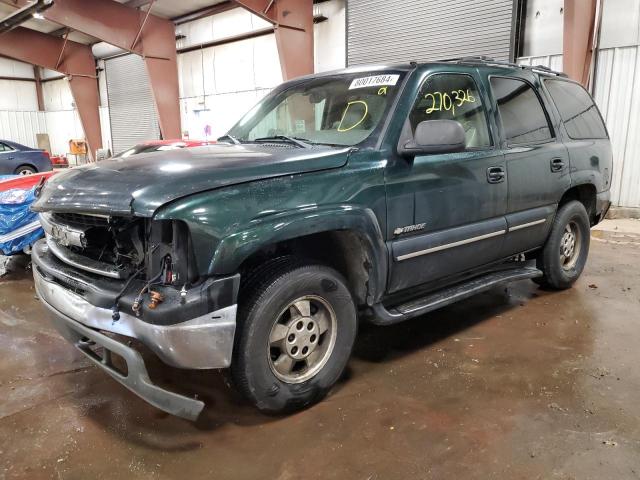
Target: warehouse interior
517,382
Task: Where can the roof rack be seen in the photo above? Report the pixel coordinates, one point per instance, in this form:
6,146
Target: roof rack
484,60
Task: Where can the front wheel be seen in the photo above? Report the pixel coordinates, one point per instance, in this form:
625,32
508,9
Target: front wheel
296,328
565,254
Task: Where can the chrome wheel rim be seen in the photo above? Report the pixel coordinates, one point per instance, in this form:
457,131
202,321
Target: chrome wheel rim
570,246
302,339
25,172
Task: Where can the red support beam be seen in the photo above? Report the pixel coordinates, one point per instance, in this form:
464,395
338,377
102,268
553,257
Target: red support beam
77,63
578,33
39,94
293,21
133,30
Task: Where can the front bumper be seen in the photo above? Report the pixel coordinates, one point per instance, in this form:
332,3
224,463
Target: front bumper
203,342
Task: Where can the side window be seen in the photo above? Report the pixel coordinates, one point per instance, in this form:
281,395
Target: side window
448,96
579,114
4,148
521,113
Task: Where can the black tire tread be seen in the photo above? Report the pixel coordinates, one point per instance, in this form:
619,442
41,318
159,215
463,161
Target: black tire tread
253,292
551,278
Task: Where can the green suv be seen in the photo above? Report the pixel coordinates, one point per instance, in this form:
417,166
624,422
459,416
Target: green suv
372,194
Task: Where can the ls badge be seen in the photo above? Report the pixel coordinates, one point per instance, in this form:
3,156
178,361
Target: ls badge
409,228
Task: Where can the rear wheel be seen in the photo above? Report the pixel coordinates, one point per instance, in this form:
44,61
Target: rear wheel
565,253
296,328
25,170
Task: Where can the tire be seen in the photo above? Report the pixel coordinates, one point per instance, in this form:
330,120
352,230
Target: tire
273,307
560,267
25,170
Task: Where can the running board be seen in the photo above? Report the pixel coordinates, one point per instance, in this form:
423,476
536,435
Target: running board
404,311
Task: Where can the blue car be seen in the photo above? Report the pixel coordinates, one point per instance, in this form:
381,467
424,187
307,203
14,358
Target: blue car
16,159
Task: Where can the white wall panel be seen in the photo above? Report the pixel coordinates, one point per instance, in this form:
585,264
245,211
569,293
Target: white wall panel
18,95
57,95
14,68
616,92
330,42
220,112
217,27
22,127
62,126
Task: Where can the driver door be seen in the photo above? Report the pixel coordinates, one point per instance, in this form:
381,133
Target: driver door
446,211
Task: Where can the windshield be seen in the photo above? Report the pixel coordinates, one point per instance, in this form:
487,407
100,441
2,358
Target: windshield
336,110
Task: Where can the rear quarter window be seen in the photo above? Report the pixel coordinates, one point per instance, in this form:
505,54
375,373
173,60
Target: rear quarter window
579,113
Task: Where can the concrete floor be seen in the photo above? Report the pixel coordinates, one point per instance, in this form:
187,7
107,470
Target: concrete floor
516,384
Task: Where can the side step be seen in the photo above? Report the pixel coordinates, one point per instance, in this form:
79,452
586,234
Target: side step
449,295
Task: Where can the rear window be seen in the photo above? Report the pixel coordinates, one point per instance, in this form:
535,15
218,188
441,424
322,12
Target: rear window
523,118
579,114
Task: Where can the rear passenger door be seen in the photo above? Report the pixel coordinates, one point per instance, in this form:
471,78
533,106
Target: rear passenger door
536,159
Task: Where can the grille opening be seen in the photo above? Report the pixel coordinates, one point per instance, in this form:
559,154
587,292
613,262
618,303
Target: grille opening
81,220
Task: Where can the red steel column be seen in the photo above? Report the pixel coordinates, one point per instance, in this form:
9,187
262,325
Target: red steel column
133,30
293,20
579,27
76,62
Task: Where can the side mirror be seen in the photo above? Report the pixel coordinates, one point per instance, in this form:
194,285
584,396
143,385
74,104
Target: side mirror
433,136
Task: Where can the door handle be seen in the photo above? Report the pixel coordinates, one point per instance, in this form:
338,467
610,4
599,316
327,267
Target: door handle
557,165
495,174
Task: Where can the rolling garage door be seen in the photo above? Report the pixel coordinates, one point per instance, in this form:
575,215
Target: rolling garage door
398,31
132,111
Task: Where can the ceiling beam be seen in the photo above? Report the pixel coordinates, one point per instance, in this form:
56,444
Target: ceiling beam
133,30
70,58
293,23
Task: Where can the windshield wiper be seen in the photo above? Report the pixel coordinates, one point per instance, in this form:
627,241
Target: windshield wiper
300,142
233,139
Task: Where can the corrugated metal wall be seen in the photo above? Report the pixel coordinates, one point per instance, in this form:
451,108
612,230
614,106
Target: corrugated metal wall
388,31
22,127
131,106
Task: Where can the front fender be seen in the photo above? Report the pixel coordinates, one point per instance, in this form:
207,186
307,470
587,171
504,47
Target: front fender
265,231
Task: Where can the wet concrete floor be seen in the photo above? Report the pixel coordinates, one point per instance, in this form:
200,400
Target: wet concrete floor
517,383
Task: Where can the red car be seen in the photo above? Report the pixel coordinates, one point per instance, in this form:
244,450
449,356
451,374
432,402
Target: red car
160,145
24,182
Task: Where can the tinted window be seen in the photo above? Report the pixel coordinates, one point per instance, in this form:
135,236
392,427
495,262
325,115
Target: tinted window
453,97
523,118
579,114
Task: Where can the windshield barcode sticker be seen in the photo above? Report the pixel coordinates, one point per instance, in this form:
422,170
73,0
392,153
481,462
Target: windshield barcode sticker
374,81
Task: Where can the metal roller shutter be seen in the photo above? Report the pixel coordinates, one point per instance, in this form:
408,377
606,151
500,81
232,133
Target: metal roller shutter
392,31
132,111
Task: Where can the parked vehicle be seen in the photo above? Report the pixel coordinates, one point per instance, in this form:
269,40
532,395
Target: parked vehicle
372,193
161,146
16,159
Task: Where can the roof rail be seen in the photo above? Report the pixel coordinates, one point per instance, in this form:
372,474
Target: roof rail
484,60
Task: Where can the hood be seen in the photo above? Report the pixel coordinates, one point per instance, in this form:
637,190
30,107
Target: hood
141,184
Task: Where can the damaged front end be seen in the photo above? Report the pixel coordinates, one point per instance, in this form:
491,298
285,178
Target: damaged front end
135,277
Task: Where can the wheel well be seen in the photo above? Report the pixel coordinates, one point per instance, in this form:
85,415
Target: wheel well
26,165
585,194
344,250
